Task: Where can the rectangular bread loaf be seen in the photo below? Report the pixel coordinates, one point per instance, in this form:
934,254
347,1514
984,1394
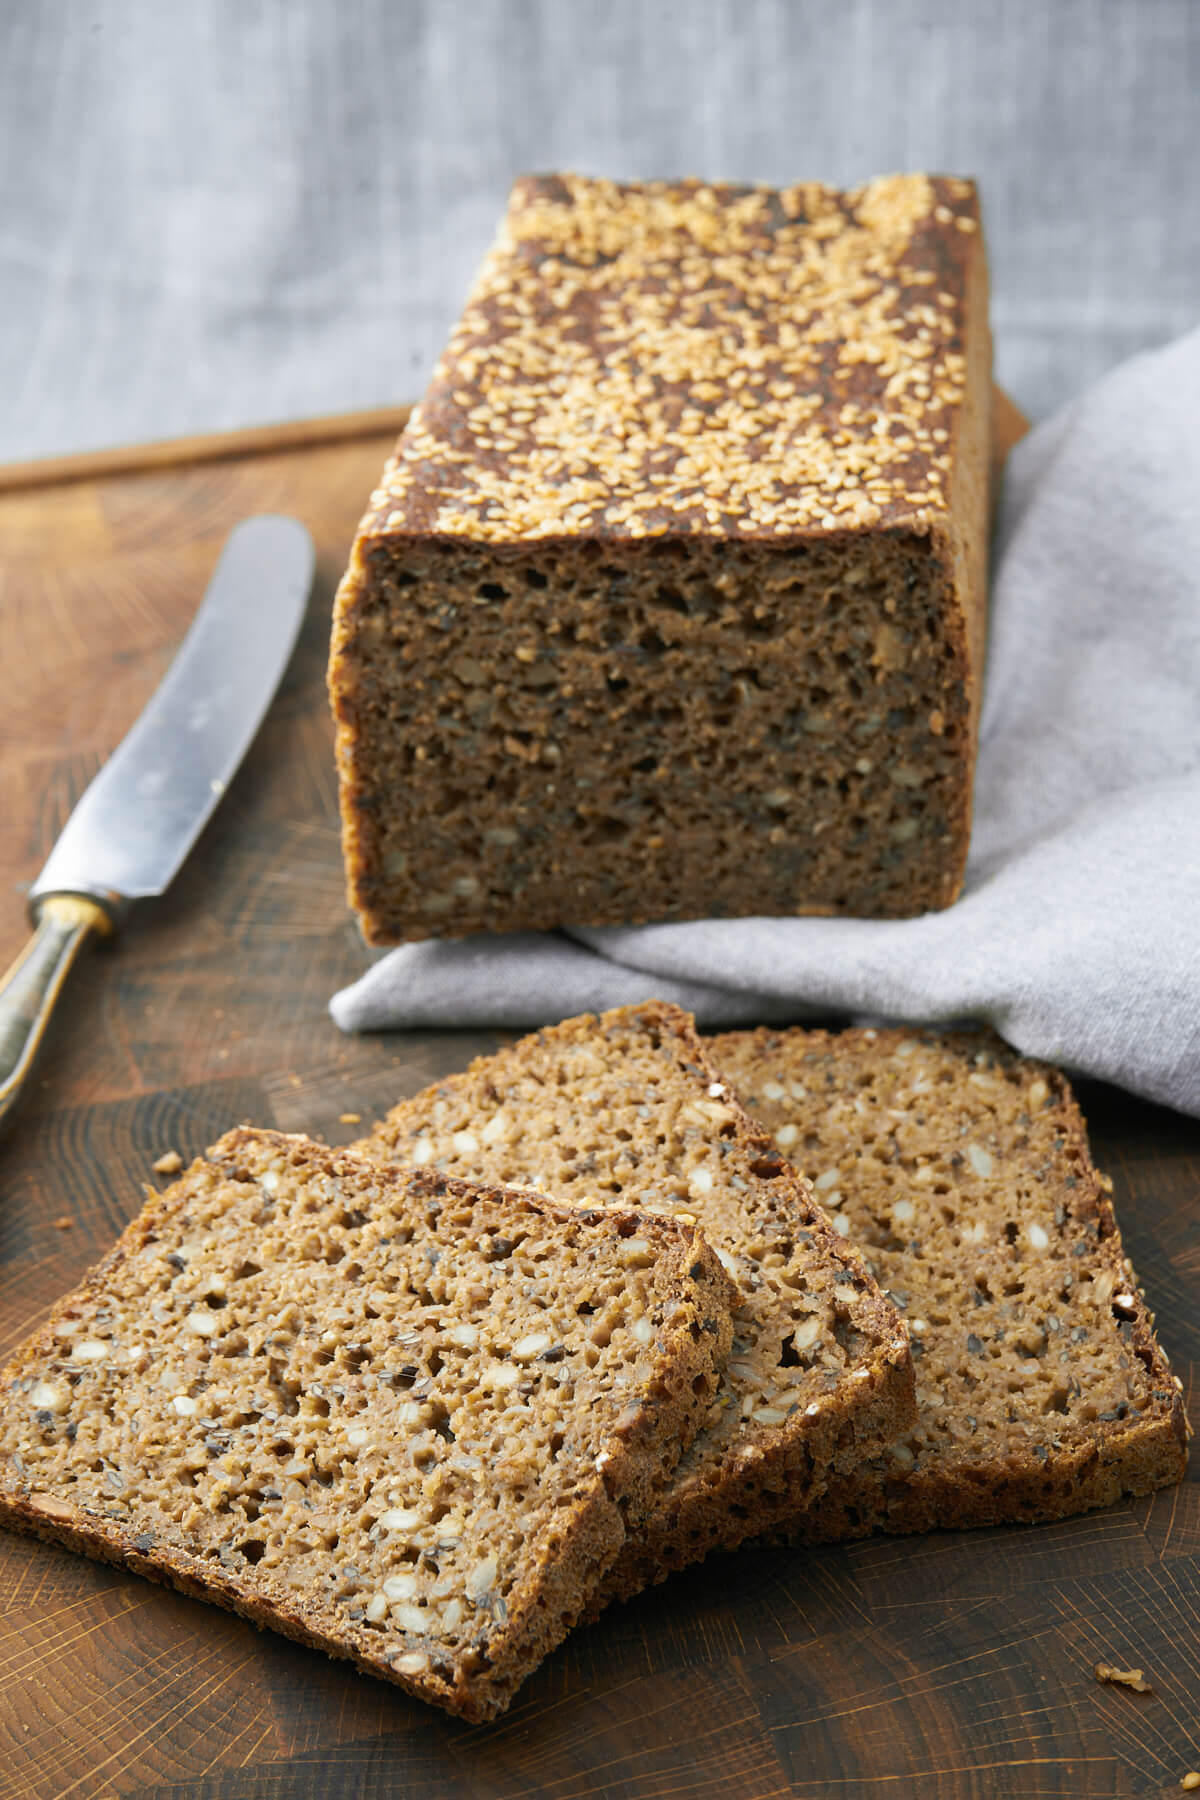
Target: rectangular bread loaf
671,601
962,1172
397,1417
627,1106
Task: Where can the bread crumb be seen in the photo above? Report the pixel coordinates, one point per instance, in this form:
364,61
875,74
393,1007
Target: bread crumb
1190,1782
350,1118
1131,1678
66,1223
169,1164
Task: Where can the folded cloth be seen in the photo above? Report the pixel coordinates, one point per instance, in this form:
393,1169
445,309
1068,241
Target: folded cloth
1078,933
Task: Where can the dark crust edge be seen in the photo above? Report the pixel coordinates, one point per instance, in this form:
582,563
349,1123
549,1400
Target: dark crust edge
1125,1462
967,535
771,1475
551,1598
356,861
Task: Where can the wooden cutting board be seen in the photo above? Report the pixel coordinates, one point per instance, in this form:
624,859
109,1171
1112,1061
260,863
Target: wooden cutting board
945,1667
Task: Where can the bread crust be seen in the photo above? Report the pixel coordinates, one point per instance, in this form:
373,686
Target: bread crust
964,546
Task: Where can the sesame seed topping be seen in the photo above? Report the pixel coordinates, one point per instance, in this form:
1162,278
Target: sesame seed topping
708,361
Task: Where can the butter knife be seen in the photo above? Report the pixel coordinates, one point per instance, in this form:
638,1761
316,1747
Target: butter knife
131,831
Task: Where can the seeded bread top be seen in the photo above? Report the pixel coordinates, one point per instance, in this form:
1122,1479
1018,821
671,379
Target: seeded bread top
381,1406
700,360
626,1106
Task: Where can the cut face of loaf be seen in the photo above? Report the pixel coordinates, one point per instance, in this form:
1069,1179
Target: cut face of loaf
962,1173
671,601
626,1107
400,1418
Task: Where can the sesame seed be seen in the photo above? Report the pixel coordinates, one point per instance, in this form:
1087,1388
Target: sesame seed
706,361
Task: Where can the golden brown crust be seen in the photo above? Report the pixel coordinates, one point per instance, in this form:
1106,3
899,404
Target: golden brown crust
118,1499
1039,1260
628,1103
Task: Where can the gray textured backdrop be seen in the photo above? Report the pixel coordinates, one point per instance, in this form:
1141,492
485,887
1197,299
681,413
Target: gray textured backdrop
233,211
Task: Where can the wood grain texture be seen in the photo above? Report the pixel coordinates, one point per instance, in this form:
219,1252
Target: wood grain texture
214,446
954,1667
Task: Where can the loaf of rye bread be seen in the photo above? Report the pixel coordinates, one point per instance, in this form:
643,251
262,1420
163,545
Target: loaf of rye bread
627,1106
397,1417
671,601
962,1172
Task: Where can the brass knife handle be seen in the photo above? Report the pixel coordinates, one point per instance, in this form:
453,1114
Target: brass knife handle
34,982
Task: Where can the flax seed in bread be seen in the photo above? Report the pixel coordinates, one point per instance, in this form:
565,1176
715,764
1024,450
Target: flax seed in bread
397,1417
962,1172
671,601
627,1106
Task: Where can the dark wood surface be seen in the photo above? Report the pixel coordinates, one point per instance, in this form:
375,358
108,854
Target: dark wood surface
952,1667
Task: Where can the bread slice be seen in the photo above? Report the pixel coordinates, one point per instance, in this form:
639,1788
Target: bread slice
403,1419
671,602
628,1107
962,1172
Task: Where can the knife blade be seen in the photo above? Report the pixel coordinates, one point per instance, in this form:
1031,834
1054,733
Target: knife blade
136,823
129,834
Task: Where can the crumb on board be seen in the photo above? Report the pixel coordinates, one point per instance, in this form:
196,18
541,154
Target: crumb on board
1191,1781
1131,1678
169,1163
66,1223
350,1118
293,1080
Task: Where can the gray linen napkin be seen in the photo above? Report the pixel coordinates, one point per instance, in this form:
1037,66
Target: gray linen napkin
1078,933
